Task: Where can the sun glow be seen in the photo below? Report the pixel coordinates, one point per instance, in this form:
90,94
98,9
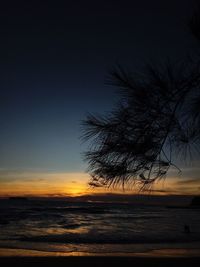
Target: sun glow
42,183
75,190
63,184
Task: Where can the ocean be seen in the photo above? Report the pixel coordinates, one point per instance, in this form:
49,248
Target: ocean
65,228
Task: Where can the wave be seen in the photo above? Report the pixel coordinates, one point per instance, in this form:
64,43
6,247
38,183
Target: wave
106,239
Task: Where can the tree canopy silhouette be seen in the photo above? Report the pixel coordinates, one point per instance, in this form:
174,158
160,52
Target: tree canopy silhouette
157,119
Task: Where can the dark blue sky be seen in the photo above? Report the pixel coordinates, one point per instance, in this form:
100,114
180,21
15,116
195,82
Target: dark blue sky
54,60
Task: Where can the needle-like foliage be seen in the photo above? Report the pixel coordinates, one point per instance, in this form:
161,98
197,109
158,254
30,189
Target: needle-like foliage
156,121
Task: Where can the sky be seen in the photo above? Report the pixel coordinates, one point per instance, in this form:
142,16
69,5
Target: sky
55,57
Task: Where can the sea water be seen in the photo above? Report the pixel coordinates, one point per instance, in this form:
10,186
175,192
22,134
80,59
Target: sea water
60,226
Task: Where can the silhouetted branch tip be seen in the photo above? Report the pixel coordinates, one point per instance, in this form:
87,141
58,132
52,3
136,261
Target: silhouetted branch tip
157,120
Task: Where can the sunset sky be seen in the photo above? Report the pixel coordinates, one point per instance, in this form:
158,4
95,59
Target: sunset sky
54,62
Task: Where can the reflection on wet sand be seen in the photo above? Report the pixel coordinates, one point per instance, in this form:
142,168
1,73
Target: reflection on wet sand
4,252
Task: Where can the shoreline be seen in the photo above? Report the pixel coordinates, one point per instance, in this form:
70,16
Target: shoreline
100,261
153,253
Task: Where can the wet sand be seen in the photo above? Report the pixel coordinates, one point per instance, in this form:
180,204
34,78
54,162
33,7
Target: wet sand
100,261
159,257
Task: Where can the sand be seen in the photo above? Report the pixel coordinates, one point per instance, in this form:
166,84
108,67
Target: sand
158,257
100,261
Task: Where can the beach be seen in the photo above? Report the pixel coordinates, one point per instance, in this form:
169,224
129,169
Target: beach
100,261
50,233
51,229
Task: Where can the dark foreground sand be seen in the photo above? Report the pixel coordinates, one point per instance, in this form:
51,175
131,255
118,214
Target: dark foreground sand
99,261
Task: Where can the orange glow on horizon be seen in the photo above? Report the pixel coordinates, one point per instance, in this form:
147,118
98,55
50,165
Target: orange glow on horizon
76,184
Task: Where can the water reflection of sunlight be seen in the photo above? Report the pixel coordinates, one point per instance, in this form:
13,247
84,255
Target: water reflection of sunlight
79,230
59,230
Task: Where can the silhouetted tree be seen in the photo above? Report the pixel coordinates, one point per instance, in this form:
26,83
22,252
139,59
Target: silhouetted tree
158,117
